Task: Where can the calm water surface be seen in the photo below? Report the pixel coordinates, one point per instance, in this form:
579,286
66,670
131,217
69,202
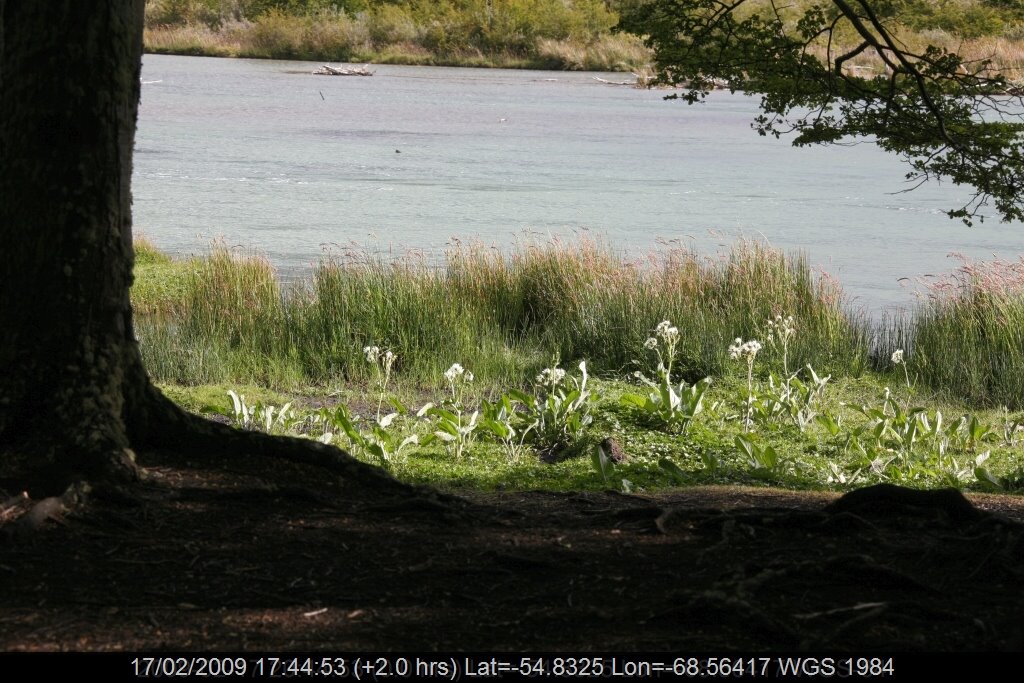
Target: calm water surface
269,157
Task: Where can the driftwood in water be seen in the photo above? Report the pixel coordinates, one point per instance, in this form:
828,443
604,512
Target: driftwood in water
606,82
644,81
326,70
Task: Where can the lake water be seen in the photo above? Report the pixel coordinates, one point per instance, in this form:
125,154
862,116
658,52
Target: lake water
267,156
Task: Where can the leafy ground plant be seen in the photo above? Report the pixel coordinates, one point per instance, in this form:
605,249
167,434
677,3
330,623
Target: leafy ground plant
380,440
560,411
671,406
763,459
265,418
747,352
501,421
451,424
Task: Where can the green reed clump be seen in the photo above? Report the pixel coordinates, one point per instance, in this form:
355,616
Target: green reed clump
967,339
160,281
226,320
409,307
590,303
505,315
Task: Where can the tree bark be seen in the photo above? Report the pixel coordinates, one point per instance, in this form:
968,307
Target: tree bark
72,372
74,396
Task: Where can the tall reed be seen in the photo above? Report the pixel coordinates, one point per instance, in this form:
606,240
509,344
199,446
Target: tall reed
967,337
506,315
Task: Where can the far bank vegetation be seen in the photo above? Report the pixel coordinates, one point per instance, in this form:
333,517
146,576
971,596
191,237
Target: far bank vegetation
546,34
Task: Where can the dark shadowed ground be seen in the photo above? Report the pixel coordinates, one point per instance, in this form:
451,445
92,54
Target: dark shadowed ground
262,555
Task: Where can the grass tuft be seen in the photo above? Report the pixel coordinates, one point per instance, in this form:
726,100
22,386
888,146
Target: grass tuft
506,316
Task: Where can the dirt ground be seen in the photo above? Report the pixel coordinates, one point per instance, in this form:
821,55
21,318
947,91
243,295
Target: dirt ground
221,554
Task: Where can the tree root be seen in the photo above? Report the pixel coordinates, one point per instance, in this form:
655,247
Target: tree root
166,425
886,499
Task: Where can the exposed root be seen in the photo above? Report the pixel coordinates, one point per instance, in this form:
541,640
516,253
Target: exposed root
167,425
887,499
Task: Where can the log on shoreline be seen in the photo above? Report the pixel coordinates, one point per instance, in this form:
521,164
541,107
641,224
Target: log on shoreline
326,70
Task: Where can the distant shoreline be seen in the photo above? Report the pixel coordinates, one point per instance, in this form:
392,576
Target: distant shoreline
610,52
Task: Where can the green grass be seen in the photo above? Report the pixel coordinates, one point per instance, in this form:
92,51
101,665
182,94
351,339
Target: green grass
225,318
224,321
967,338
809,461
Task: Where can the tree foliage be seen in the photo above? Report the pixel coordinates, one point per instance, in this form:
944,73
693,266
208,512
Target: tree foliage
947,117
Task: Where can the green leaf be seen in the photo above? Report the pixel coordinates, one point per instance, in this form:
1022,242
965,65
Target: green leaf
633,400
829,423
745,446
500,430
673,469
602,463
444,414
989,480
523,398
377,450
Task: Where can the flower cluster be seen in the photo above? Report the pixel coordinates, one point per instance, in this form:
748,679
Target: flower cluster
897,359
784,328
551,376
745,350
374,354
381,360
455,372
666,331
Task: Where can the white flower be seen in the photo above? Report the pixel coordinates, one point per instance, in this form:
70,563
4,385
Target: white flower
454,371
552,376
666,331
897,356
651,343
372,353
745,350
468,377
785,327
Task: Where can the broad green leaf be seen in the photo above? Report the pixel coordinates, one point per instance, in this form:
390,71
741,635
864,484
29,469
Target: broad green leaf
673,469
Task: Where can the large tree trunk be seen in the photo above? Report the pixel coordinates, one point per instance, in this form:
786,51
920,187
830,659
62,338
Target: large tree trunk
71,374
74,396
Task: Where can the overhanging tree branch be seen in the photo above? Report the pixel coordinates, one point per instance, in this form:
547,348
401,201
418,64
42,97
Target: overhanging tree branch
947,120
